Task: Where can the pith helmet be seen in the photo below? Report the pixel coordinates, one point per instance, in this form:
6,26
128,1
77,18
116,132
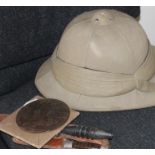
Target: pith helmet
103,62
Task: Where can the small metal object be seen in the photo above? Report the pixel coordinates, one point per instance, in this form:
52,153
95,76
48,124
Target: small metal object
43,115
72,144
86,132
85,145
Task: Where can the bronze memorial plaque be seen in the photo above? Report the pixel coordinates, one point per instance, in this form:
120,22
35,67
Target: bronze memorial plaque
43,115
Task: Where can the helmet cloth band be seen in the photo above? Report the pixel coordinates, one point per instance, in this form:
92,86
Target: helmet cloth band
99,83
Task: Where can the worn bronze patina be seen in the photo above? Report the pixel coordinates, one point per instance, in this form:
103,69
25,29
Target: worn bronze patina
43,115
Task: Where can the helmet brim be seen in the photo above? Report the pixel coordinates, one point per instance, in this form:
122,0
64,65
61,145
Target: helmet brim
50,87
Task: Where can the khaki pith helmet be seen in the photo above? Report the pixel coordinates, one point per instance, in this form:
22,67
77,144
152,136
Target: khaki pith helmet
103,62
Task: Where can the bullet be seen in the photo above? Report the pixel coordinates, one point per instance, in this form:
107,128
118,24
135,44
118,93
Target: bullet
86,132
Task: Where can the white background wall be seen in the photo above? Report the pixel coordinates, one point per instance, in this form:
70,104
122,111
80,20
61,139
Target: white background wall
147,20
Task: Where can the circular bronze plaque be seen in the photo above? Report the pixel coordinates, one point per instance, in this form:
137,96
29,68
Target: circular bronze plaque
43,115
